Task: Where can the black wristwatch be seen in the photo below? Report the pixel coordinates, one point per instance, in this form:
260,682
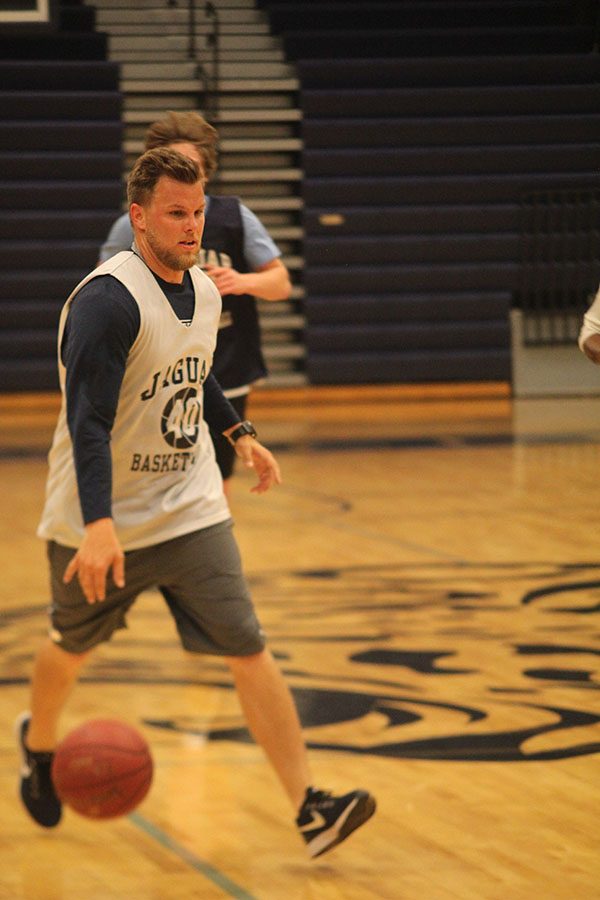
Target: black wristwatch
240,430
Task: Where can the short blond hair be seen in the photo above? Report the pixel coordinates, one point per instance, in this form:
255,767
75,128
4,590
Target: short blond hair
188,127
152,165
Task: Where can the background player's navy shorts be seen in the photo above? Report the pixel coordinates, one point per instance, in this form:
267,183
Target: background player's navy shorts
199,575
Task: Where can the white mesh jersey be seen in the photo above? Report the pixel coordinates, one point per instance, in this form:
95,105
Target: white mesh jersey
165,479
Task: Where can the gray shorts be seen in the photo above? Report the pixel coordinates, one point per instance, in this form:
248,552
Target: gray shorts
199,575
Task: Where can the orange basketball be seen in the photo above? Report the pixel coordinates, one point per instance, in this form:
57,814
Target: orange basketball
102,769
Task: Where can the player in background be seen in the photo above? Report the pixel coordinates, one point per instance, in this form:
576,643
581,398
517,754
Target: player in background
240,257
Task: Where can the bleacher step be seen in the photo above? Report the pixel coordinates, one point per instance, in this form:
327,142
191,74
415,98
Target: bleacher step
224,116
241,44
195,85
234,145
246,71
107,17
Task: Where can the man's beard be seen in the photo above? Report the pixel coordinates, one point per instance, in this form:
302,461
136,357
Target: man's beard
178,261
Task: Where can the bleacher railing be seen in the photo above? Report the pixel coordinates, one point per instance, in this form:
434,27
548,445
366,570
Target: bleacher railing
207,69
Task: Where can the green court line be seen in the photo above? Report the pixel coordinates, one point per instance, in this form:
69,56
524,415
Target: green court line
222,881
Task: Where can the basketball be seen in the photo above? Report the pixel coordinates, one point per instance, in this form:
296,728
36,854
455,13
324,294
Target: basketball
102,769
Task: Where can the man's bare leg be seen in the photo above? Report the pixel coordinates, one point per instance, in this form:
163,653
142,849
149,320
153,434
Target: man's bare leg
54,676
273,720
323,819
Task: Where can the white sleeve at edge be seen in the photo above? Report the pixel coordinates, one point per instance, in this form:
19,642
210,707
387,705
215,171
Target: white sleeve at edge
591,322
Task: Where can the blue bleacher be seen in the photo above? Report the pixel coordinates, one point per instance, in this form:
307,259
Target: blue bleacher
425,124
60,181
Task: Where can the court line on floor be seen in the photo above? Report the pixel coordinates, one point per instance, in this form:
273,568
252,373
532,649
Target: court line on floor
447,441
218,878
345,506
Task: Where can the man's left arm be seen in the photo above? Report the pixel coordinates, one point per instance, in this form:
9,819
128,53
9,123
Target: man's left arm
255,455
221,416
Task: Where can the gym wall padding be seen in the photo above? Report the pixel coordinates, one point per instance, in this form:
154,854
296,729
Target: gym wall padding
60,183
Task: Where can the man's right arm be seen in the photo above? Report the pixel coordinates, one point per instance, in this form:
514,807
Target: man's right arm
102,324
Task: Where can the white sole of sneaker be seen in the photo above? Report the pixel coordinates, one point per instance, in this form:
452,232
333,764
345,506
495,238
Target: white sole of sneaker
18,729
355,815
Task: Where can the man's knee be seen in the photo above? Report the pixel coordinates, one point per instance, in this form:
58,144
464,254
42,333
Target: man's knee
248,661
65,657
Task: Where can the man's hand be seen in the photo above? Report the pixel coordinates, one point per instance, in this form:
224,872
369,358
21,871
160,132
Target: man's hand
255,456
269,282
100,551
227,280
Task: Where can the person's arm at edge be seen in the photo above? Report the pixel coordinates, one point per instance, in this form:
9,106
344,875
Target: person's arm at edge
589,336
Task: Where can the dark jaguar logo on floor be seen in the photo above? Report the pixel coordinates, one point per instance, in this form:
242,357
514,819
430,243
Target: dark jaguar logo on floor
441,662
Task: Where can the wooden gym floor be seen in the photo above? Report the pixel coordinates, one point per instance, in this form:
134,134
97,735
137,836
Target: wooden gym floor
429,577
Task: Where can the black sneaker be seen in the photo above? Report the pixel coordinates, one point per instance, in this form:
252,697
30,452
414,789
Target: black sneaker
325,820
37,790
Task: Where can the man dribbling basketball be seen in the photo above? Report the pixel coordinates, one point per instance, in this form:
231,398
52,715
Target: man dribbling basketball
134,492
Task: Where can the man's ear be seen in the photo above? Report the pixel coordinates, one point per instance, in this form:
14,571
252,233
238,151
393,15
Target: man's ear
137,216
